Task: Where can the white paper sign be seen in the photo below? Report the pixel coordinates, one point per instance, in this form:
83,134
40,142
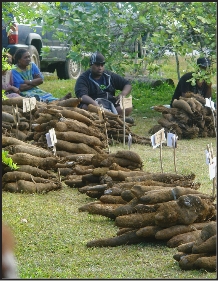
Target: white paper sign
49,143
208,156
158,138
53,136
29,104
129,141
212,168
126,102
209,103
171,140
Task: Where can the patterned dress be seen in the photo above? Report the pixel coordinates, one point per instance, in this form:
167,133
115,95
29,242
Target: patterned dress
20,75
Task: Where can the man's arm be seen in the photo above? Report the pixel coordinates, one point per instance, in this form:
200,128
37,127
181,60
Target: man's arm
88,100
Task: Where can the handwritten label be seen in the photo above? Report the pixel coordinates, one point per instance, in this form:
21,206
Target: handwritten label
126,102
209,103
51,138
29,104
158,138
172,140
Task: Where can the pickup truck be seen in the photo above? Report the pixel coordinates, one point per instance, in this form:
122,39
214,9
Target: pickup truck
32,39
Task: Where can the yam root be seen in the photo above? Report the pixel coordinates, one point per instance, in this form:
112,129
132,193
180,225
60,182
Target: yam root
148,231
208,246
75,147
187,262
127,238
207,263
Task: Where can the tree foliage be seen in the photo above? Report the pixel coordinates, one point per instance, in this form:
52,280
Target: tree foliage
109,27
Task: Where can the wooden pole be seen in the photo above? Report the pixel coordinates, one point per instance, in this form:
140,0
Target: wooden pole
124,123
161,155
174,152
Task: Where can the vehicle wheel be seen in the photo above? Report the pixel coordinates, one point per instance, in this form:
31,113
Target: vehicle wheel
34,55
72,69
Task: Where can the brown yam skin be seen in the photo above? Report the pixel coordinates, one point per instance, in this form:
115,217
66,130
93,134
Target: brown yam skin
135,220
75,147
207,263
187,262
17,175
27,159
148,231
208,246
183,238
127,238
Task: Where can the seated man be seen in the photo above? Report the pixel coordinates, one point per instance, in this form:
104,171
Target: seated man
98,83
201,87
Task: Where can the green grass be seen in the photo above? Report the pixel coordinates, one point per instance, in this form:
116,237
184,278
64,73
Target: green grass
52,243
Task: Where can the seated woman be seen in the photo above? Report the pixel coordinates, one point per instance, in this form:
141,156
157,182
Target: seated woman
27,77
7,80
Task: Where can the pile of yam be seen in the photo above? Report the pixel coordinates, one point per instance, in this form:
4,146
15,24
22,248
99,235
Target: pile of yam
188,118
201,253
151,207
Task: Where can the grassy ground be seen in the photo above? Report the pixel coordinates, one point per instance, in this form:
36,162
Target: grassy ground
51,233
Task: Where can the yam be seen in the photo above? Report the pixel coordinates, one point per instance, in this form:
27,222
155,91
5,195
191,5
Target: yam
27,159
183,238
76,137
124,230
111,199
94,193
17,175
186,247
148,231
32,150
34,171
135,220
208,246
7,117
15,101
187,262
182,104
174,230
127,238
130,155
10,186
72,102
30,187
178,256
126,209
86,188
210,229
75,147
75,115
207,263
100,209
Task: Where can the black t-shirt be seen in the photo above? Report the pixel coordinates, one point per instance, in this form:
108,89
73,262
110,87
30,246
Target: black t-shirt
86,85
183,86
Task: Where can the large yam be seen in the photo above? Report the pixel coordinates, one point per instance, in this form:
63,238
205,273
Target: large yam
34,171
210,229
76,126
32,150
6,141
27,159
111,199
7,117
161,177
169,232
71,102
187,262
122,175
182,104
207,263
75,147
101,187
135,220
15,101
17,175
130,155
100,209
183,238
10,186
125,239
79,138
148,231
186,248
30,187
75,115
208,246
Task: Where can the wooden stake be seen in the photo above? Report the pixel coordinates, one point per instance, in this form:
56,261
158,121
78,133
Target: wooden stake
174,152
161,155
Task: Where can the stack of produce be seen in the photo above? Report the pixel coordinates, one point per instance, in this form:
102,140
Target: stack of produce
200,253
34,162
188,118
152,207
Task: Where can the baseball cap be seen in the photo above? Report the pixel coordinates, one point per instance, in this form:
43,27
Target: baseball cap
97,57
205,62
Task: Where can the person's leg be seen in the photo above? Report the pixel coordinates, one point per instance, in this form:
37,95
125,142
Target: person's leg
128,111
